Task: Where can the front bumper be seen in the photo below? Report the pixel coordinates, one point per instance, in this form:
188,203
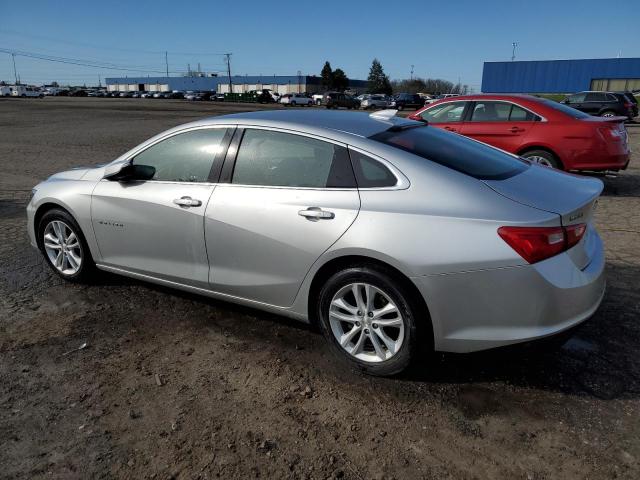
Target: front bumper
484,309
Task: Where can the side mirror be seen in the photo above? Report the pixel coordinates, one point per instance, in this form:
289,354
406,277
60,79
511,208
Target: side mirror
565,101
132,173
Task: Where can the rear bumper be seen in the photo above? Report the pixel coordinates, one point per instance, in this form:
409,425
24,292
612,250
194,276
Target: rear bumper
618,161
484,309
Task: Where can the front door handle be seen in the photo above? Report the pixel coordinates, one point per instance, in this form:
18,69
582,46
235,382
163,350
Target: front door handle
315,214
450,129
516,129
187,202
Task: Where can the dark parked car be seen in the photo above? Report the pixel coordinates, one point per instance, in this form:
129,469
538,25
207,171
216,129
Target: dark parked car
338,99
406,100
634,100
77,93
602,104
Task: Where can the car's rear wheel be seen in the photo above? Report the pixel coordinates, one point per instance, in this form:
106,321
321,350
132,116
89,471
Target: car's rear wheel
368,320
64,246
608,114
542,157
400,107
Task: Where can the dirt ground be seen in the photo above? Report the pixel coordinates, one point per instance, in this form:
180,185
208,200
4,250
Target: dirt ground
172,385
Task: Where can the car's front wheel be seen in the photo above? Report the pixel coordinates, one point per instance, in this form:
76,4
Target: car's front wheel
368,320
64,246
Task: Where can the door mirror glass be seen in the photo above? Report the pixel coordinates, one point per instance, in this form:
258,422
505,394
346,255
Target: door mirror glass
133,173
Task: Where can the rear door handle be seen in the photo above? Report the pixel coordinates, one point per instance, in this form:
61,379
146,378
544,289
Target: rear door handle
315,214
187,202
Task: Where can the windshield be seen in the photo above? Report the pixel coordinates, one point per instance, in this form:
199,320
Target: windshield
454,151
572,112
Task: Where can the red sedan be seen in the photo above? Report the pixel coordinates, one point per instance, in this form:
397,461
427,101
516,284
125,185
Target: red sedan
541,130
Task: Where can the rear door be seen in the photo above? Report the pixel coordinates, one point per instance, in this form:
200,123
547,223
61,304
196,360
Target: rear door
499,123
595,102
283,200
577,101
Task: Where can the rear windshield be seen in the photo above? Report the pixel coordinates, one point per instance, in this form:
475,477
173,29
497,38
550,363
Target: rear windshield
572,112
454,151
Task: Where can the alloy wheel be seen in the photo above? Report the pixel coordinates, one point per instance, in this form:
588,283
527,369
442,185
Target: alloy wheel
540,160
62,246
366,322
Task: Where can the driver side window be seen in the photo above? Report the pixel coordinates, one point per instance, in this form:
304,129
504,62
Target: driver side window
185,157
444,113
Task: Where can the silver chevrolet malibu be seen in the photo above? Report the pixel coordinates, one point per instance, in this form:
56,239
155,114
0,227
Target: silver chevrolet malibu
391,236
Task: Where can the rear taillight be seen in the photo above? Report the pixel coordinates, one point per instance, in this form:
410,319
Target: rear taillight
538,243
611,133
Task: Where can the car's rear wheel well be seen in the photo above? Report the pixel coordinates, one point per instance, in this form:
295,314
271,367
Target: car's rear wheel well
337,264
546,149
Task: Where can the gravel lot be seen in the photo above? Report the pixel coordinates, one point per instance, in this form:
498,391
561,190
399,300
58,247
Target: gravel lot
172,385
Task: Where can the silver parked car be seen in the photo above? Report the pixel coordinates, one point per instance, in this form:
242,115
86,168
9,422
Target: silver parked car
387,233
374,101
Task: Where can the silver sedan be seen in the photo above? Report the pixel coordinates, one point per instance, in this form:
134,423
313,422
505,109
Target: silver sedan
390,235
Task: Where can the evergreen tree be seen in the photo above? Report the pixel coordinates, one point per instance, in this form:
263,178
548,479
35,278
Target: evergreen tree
378,80
327,76
340,80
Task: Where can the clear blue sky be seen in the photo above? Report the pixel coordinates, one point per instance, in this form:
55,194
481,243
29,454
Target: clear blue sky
441,39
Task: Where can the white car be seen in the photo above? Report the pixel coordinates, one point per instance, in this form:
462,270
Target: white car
292,99
317,98
440,97
23,91
5,91
374,101
147,95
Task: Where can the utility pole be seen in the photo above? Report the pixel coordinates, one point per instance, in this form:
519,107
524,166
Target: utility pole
166,61
228,59
513,52
15,74
412,72
99,81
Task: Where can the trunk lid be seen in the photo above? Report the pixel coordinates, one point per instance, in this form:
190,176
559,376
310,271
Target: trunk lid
571,197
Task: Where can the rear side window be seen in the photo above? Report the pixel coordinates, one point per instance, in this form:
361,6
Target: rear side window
597,97
454,151
371,173
276,159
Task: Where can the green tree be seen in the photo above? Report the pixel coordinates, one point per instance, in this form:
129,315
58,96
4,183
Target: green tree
378,80
340,80
327,76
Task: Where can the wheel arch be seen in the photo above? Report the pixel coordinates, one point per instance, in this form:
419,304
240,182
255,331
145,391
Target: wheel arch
340,263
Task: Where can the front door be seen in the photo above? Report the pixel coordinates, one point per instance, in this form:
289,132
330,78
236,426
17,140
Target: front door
289,199
501,124
156,227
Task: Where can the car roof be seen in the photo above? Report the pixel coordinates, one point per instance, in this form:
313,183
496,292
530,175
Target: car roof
316,121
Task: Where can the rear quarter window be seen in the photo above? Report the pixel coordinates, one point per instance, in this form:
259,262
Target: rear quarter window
459,153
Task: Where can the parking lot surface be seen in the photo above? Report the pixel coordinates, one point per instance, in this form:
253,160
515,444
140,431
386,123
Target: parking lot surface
171,385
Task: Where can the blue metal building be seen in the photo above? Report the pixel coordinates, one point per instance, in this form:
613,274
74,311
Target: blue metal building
241,83
561,76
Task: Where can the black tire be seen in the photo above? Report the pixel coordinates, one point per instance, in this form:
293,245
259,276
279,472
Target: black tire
87,270
386,282
609,113
548,156
318,102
